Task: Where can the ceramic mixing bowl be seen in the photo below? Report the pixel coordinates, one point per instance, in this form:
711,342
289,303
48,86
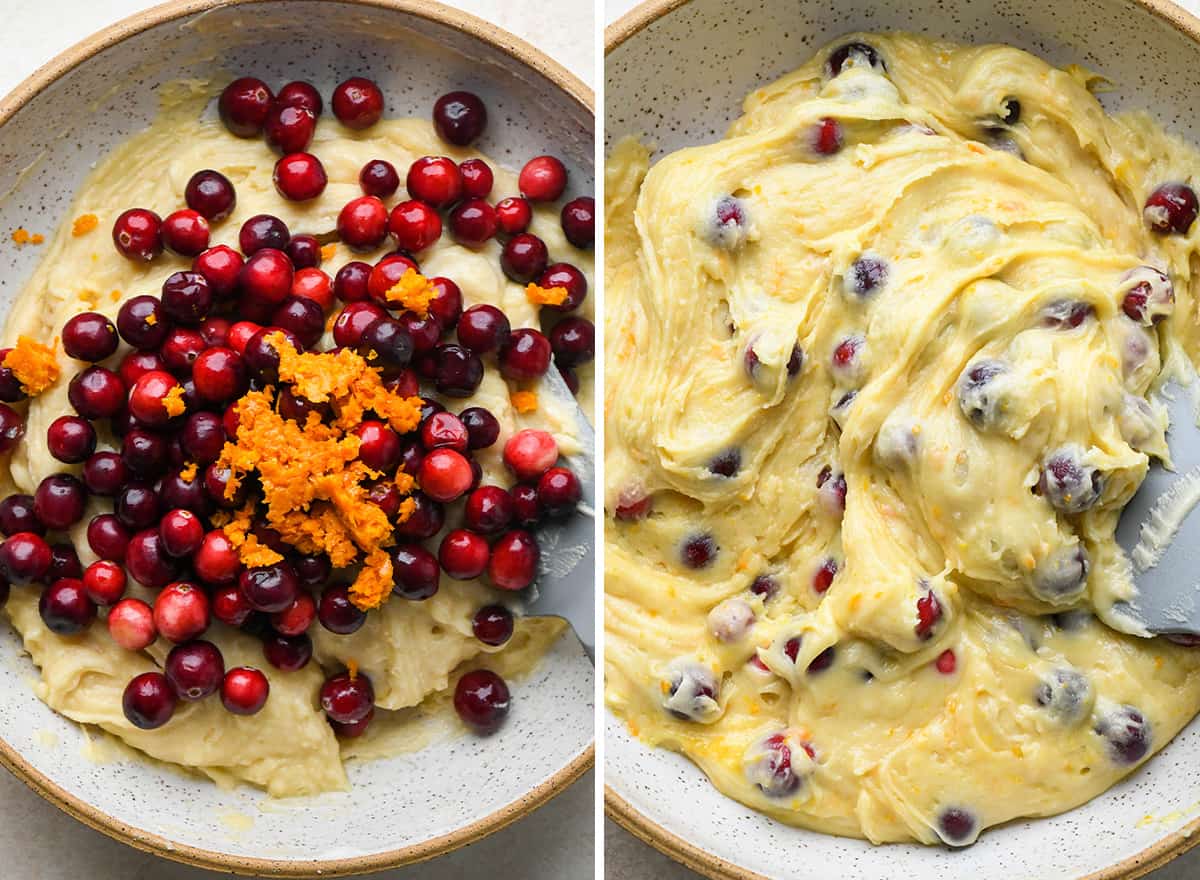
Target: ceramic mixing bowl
52,129
676,72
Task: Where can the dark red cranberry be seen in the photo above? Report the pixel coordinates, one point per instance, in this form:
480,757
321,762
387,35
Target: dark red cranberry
24,558
137,506
347,698
185,232
10,387
459,117
483,429
12,428
493,625
302,317
211,195
186,297
458,371
570,279
765,585
526,355
1128,734
64,562
473,222
1171,208
379,178
463,554
358,103
956,826
104,473
301,94
142,322
573,341
514,561
180,350
202,437
304,251
269,588
379,447
58,501
230,607
176,491
215,331
436,180
289,128
447,303
65,607
444,429
426,519
388,339
481,700
108,538
240,333
363,223
244,690
699,551
424,332
858,53
414,225
524,258
351,325
827,136
137,234
289,653
559,492
244,104
513,215
416,572
71,439
16,515
337,613
96,393
217,562
89,337
263,231
104,582
579,221
483,328
181,532
261,356
147,560
148,701
300,177
144,453
312,571
543,179
526,509
195,669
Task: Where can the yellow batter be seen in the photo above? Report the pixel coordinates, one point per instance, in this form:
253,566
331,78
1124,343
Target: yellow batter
413,651
917,309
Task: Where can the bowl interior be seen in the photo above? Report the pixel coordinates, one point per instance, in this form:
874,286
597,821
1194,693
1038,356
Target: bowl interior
46,149
679,82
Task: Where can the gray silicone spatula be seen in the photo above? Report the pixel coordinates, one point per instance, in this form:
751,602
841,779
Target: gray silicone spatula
565,585
1160,529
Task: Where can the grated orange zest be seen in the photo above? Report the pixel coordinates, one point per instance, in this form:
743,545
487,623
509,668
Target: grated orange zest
34,365
545,296
414,292
524,401
84,224
174,402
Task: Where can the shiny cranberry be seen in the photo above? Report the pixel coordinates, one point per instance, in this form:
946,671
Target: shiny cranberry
458,372
219,375
389,340
65,607
297,617
217,562
147,561
210,194
203,437
463,554
568,278
514,561
414,225
59,500
289,128
929,612
351,325
149,396
244,690
489,510
559,492
358,103
425,521
445,475
104,582
10,388
363,223
301,94
481,699
459,117
529,453
185,232
573,341
148,701
444,429
416,572
827,136
524,258
144,453
12,428
314,285
186,297
699,551
64,562
96,393
244,104
137,234
180,350
543,179
526,510
300,177
142,322
267,275
269,588
493,625
1171,208
107,537
181,612
195,669
473,222
137,364
436,180
263,231
386,274
579,221
379,447
305,253
261,356
229,606
379,178
89,337
347,698
289,653
526,355
131,624
302,317
240,332
71,439
137,506
181,532
513,215
215,331
483,328
16,515
477,178
337,613
24,558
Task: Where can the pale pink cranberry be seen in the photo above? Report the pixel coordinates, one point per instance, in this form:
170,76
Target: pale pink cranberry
181,612
529,453
131,624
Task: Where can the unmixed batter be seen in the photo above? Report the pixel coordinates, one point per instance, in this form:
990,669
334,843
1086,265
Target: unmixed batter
877,368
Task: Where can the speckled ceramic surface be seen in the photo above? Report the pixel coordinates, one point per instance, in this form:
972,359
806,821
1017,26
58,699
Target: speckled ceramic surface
459,786
679,81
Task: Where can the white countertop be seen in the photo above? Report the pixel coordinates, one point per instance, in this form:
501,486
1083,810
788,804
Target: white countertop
38,841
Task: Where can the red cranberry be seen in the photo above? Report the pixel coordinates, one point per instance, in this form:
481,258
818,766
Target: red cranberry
857,53
89,337
350,283
573,341
458,371
302,317
414,225
347,698
351,325
824,576
210,194
185,232
514,561
137,234
219,376
240,334
699,551
181,612
481,700
96,393
526,355
827,136
215,331
436,180
142,322
447,302
483,328
230,607
10,388
244,690
136,507
144,453
107,537
16,515
301,94
579,221
358,103
386,274
478,178
445,475
929,612
12,428
314,285
64,562
524,258
363,223
444,429
289,653
559,492
181,532
489,510
195,669
379,447
270,588
300,177
529,453
186,297
267,275
571,280
244,104
137,364
493,625
289,128
131,624
416,572
65,607
58,501
388,339
304,251
147,561
337,613
297,617
104,473
180,350
1171,208
104,582
459,117
473,222
543,179
483,428
261,356
24,558
203,437
148,399
426,519
513,215
71,439
263,231
379,178
148,701
463,554
217,562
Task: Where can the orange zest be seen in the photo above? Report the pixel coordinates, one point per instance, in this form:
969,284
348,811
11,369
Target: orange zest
524,401
84,224
174,402
24,236
414,292
545,296
34,365
328,251
188,473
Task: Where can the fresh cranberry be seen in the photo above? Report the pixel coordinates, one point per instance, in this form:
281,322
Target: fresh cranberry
559,492
489,510
185,232
241,333
10,388
543,179
1171,208
269,588
107,537
483,328
58,501
137,364
144,453
203,437
445,475
414,225
444,429
524,258
457,372
96,393
230,607
147,561
186,297
289,128
529,453
131,624
210,194
181,612
195,669
261,355
416,572
16,515
386,274
104,582
363,223
244,690
379,178
481,699
492,625
473,222
312,284
436,180
71,439
89,336
24,558
347,698
297,617
180,350
263,231
301,94
514,561
337,613
65,607
570,279
463,554
358,103
289,653
244,104
303,318
181,532
526,510
142,322
424,332
267,275
459,117
477,177
573,341
137,506
215,331
305,252
148,398
350,282
513,215
148,701
219,375
579,221
300,177
12,428
389,340
425,521
217,562
379,447
137,234
64,562
351,325
220,267
525,355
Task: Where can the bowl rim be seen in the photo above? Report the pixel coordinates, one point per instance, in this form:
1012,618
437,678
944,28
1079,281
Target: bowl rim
695,857
522,53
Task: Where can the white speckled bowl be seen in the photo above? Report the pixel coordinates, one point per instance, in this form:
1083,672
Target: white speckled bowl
52,129
676,71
